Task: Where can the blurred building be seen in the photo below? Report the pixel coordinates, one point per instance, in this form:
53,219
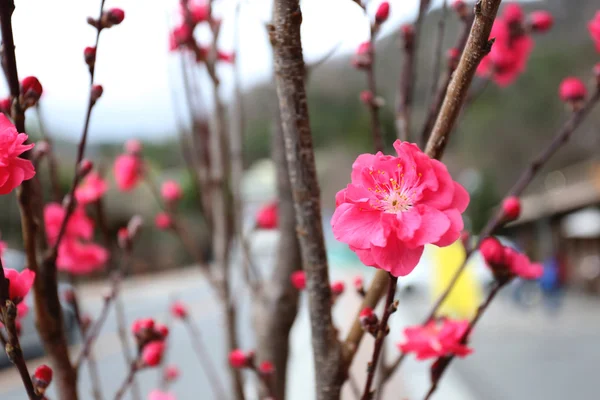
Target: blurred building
561,218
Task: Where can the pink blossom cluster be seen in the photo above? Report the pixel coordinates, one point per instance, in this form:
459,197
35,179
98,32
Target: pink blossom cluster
150,338
436,339
506,262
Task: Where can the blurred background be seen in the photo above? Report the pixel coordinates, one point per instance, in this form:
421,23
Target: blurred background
530,346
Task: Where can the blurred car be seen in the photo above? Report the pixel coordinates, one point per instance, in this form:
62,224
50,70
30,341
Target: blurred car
29,339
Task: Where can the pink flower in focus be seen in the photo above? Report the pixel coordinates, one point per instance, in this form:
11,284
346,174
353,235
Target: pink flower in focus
238,359
79,225
163,221
594,28
128,171
79,258
19,283
91,189
508,56
266,217
228,57
395,205
171,191
158,394
298,279
436,339
13,169
152,353
171,373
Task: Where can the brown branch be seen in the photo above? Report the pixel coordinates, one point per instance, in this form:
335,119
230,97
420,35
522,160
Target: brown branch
289,73
438,98
373,104
408,76
47,304
476,48
204,358
133,369
13,347
389,308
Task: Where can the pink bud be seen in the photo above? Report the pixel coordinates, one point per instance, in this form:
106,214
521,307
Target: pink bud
96,92
365,314
541,21
511,207
366,96
227,57
179,310
267,216
383,12
89,55
171,191
115,16
152,353
358,282
266,368
142,324
162,330
298,279
492,251
171,373
133,146
5,105
238,359
337,287
163,221
85,167
363,48
513,13
572,89
31,91
42,377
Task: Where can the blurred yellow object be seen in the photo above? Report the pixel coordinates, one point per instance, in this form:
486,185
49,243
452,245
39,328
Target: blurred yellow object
465,297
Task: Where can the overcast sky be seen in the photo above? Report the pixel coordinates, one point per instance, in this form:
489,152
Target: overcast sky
134,65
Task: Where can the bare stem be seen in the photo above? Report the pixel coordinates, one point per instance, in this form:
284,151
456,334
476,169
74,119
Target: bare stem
204,358
52,163
372,87
133,369
289,74
381,333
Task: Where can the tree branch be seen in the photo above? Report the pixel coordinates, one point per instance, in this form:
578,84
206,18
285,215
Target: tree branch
289,74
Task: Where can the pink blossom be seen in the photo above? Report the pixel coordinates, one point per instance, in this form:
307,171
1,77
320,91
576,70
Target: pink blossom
79,258
199,10
572,89
395,205
513,13
266,217
238,359
541,21
436,339
492,251
179,310
128,171
171,191
508,56
13,169
158,394
91,189
163,221
594,28
172,372
520,265
79,225
3,246
22,310
152,353
298,279
19,283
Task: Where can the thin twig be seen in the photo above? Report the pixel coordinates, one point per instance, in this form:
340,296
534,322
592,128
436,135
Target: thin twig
438,49
448,359
408,76
204,358
51,156
372,87
381,333
133,369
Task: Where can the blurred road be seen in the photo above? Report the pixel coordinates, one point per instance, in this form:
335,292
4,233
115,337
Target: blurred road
519,355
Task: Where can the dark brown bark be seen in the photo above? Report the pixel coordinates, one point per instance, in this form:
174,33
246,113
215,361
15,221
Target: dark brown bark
476,48
289,73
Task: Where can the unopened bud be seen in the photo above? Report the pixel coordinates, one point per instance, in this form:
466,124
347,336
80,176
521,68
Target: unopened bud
114,16
266,368
366,96
511,207
41,379
31,91
85,166
89,55
383,12
96,93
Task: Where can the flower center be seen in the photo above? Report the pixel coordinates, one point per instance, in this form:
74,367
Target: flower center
395,202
